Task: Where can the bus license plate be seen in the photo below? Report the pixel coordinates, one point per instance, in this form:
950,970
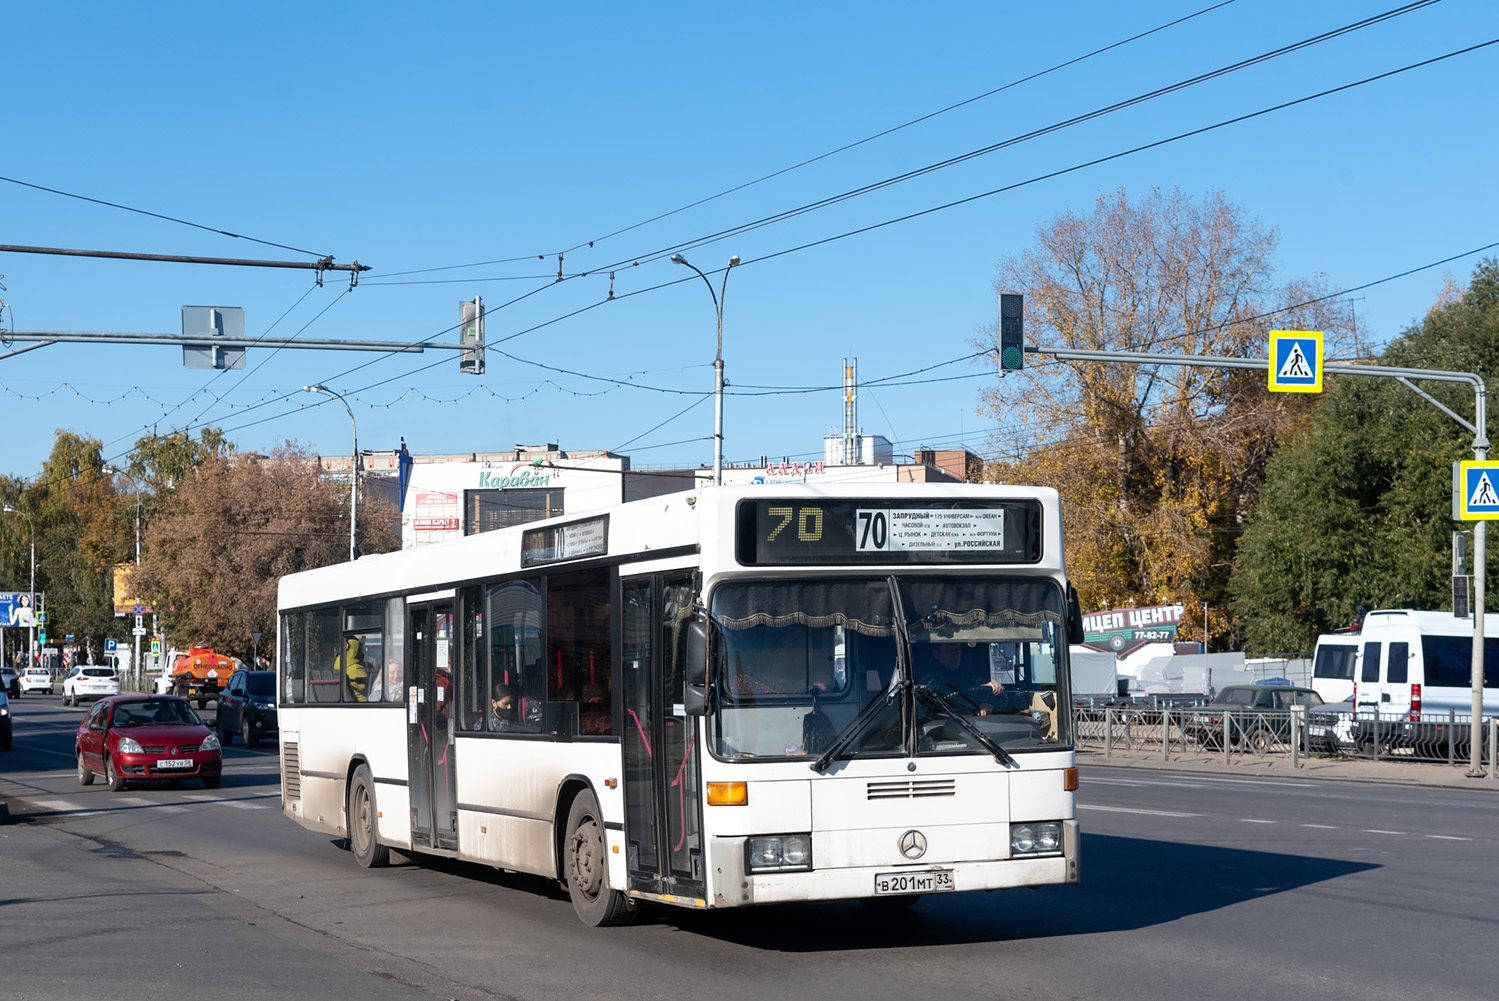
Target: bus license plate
931,881
175,763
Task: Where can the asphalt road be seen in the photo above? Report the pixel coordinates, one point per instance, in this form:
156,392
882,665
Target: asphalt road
1193,886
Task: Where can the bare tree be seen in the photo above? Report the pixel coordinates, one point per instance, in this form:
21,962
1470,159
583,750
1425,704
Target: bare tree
231,528
1158,465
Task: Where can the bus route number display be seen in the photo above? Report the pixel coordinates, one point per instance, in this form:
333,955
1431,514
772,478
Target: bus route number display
881,530
822,532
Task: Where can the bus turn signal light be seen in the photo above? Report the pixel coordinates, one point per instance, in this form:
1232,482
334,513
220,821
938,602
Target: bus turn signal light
1069,780
728,794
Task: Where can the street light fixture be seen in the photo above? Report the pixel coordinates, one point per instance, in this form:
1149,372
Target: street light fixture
718,298
353,470
135,665
31,648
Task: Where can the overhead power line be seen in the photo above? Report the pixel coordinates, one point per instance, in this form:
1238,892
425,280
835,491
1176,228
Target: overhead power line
822,156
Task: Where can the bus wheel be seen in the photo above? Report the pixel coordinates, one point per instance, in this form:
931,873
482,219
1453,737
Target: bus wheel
364,841
586,867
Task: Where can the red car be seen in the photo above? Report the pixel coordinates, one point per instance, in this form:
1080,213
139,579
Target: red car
132,738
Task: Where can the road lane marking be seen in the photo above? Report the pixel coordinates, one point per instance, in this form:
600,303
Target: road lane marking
1447,837
1321,827
1251,820
1128,809
1370,830
63,806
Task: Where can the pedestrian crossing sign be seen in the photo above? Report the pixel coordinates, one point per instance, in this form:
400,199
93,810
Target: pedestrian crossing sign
1295,361
1477,491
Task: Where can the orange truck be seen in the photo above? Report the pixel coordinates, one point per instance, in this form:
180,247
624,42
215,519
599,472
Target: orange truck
200,674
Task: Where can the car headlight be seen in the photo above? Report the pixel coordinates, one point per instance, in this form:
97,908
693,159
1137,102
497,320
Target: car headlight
127,745
1035,839
779,853
263,705
211,744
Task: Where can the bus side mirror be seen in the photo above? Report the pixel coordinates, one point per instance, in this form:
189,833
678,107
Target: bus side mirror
1074,616
695,698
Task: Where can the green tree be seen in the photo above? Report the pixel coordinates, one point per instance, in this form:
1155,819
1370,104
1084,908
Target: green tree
1157,464
221,540
81,536
1357,505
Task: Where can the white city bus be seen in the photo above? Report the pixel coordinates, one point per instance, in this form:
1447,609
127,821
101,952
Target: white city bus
718,698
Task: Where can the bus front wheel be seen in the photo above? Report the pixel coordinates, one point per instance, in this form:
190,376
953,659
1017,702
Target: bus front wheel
586,866
364,840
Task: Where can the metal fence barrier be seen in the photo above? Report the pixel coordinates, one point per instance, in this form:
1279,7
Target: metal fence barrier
1167,728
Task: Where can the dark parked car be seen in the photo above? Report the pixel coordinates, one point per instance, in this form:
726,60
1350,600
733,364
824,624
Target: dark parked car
247,706
1261,715
10,682
133,738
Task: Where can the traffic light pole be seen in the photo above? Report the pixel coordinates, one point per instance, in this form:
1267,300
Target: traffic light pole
1480,446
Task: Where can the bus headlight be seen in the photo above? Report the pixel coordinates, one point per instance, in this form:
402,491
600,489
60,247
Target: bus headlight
778,853
1035,839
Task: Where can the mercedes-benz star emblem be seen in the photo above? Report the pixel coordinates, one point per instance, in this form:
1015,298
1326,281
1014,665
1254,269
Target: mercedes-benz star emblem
913,844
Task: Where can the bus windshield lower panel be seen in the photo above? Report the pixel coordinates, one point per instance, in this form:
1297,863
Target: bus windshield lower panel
801,662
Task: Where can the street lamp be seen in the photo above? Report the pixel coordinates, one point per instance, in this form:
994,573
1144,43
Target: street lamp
31,648
135,665
353,471
717,362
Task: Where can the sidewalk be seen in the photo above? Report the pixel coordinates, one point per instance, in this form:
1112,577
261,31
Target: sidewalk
1410,773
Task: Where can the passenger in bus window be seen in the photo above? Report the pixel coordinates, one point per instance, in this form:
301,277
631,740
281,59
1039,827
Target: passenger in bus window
594,716
356,675
502,714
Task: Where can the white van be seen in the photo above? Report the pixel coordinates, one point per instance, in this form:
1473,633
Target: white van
1335,666
1410,667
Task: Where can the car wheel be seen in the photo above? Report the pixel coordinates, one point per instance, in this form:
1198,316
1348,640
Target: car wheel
85,773
67,698
586,867
115,779
5,740
212,781
202,703
364,839
247,731
226,735
1260,741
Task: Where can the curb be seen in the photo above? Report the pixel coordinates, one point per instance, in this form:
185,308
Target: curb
1441,776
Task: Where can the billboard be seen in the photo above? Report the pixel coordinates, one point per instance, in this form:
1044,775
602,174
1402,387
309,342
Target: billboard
1120,630
15,609
125,599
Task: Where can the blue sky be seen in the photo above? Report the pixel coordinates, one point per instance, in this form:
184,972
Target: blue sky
459,133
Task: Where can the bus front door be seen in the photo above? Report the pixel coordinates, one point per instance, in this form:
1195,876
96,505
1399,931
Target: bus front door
430,725
663,814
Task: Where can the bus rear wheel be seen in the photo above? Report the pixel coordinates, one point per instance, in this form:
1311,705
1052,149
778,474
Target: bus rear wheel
586,866
364,840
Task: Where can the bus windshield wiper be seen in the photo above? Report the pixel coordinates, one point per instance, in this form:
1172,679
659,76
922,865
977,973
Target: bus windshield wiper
933,699
855,728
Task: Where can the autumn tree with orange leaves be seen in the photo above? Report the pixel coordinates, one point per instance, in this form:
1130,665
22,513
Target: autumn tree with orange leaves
1158,465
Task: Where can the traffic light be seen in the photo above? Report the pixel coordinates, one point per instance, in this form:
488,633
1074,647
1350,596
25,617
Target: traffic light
41,637
1011,332
471,336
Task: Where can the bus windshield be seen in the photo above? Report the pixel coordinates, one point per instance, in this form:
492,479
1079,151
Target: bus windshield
805,665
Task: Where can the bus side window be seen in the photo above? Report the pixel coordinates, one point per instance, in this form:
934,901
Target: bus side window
293,656
324,658
578,651
513,626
